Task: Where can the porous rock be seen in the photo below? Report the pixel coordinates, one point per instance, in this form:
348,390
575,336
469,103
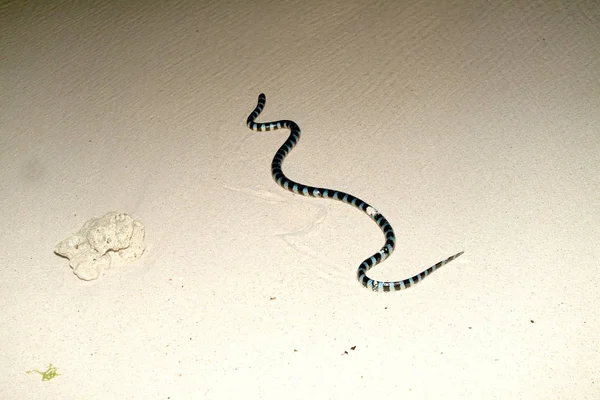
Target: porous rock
112,240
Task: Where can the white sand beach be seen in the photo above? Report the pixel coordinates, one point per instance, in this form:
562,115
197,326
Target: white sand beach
472,126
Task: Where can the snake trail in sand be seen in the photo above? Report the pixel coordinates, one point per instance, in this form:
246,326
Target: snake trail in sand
311,191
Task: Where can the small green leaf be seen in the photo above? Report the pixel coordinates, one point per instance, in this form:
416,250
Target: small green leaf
50,373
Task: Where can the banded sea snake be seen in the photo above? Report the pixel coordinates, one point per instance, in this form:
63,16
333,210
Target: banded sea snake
310,191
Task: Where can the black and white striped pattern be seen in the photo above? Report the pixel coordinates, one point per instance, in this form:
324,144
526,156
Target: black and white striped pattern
304,190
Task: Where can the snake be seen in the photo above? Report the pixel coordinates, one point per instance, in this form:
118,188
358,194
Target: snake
311,191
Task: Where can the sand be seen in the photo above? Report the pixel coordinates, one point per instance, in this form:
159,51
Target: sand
470,126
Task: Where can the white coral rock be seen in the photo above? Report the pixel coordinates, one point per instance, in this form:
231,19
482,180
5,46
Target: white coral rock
102,243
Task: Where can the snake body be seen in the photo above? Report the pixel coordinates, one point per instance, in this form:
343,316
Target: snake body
311,191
